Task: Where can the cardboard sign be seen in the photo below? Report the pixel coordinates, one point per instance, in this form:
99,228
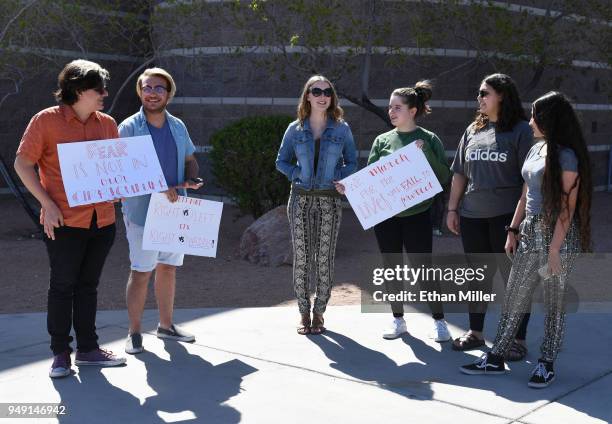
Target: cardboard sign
102,170
189,225
391,185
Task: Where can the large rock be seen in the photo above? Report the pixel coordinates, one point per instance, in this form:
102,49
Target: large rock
267,241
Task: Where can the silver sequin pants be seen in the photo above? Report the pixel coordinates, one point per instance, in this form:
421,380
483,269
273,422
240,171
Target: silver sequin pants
531,255
315,222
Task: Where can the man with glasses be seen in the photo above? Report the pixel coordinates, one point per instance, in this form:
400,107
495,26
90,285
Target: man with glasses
78,239
175,151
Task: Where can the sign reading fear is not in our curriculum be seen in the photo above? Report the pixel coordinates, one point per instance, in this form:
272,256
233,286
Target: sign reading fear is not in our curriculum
102,170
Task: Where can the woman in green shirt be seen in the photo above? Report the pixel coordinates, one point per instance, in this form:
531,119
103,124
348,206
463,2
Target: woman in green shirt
410,230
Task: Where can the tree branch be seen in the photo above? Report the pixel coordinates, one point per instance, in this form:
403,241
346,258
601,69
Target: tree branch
14,18
128,79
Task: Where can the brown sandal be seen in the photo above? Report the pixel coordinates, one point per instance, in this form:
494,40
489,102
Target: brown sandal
317,324
305,324
467,342
517,352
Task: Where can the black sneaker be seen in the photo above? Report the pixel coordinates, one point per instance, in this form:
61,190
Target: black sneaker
486,364
542,376
175,333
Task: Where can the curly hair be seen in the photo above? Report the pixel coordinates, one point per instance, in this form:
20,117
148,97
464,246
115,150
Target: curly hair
557,120
511,109
416,96
334,110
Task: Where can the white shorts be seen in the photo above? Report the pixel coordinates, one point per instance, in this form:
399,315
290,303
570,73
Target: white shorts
146,260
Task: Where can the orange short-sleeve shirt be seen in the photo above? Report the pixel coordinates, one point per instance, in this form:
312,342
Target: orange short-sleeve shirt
60,124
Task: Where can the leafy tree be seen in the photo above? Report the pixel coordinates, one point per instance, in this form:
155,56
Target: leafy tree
342,39
533,41
34,35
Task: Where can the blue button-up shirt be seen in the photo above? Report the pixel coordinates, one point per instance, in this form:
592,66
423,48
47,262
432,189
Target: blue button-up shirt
135,208
337,155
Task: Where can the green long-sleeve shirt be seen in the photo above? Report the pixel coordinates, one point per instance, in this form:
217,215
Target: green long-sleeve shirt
387,143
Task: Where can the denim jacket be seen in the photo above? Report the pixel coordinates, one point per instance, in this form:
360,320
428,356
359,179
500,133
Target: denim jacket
337,155
135,208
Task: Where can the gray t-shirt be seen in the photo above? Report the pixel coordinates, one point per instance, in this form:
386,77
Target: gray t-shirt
533,171
491,161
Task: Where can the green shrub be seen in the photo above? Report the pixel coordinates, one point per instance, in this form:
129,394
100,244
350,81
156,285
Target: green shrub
242,160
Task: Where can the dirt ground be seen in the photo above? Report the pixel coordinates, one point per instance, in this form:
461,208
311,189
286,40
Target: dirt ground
225,281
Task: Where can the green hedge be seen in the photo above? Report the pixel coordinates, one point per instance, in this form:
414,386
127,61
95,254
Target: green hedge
243,157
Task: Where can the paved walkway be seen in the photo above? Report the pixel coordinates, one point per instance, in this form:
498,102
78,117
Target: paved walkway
248,365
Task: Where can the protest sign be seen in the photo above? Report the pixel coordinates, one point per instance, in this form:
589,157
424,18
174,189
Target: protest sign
189,225
391,185
101,170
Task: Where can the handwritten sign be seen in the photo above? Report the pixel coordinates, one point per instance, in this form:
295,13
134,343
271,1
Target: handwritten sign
189,225
391,185
101,170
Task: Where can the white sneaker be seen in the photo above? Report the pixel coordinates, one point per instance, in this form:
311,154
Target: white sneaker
133,344
397,328
440,331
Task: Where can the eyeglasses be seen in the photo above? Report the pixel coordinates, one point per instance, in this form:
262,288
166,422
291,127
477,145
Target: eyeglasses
483,93
316,91
158,89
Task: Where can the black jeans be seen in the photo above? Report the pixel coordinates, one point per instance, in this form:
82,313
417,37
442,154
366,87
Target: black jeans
76,259
481,237
412,234
437,210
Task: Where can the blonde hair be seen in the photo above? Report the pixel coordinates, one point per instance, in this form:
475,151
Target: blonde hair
334,110
157,72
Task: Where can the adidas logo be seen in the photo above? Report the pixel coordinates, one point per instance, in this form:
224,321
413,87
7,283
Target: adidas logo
487,155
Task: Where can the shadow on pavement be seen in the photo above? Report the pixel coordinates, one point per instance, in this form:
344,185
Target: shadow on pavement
186,384
413,380
189,382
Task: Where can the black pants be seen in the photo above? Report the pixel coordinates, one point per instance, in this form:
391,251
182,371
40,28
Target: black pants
481,237
76,259
437,210
412,234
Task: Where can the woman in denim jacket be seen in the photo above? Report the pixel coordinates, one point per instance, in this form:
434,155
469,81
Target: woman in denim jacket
323,145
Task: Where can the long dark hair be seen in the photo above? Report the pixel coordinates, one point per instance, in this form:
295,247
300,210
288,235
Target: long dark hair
557,120
510,109
416,96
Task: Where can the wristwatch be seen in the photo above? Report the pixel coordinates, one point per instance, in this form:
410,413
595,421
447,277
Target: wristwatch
510,229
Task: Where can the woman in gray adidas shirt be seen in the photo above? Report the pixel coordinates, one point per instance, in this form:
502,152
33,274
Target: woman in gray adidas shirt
487,184
554,218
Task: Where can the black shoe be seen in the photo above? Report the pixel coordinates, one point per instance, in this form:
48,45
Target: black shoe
486,364
175,333
542,376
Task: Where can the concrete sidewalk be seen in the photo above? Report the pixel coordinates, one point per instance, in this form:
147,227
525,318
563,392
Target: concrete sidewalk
249,365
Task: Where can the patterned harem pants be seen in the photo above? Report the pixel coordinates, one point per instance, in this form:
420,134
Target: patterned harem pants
315,222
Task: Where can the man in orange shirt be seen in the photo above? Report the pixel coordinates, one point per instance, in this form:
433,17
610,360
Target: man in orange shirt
78,239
